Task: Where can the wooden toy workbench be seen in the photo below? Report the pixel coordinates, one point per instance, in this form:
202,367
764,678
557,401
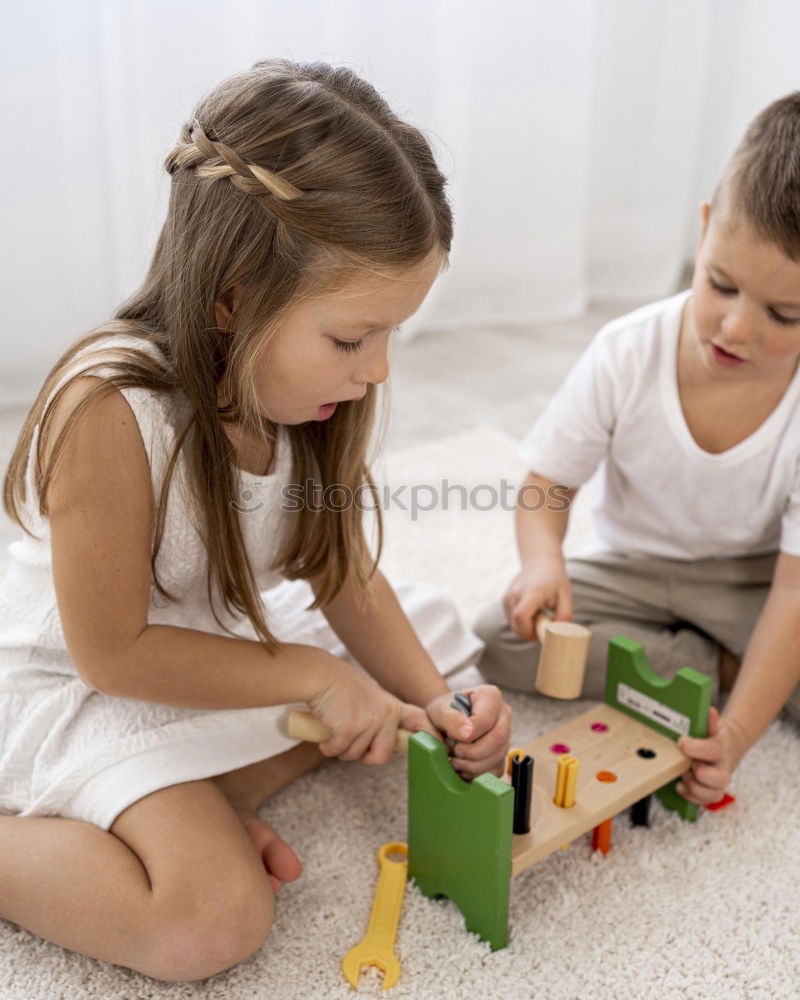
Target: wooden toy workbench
460,840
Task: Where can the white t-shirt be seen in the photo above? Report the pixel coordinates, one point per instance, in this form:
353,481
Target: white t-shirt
618,412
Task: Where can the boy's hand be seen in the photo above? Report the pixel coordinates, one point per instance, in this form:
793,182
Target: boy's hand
481,739
541,584
714,759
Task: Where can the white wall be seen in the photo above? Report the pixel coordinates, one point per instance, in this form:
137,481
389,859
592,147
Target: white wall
579,136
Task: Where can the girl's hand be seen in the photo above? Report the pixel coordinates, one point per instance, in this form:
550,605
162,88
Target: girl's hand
481,740
362,717
714,759
540,584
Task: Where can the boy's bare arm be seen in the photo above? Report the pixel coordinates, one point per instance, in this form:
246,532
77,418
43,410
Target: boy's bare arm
769,673
541,518
770,669
101,512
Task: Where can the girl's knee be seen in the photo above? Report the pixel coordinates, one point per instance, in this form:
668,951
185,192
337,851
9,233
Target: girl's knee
193,939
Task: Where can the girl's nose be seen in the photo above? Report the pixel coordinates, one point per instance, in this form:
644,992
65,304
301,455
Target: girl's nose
375,367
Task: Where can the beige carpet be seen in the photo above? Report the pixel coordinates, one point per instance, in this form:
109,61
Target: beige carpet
710,910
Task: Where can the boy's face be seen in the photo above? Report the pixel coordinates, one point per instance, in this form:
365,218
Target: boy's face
745,306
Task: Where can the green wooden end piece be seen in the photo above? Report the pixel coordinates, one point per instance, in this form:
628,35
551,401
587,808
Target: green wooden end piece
671,707
459,838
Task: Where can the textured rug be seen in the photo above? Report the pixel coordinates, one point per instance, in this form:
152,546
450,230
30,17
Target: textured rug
706,910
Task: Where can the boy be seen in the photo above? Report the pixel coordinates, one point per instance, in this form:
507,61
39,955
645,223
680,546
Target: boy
691,409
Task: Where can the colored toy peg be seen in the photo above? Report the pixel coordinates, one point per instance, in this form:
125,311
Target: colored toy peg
377,946
303,726
462,703
562,661
566,781
726,800
640,812
511,756
601,836
522,783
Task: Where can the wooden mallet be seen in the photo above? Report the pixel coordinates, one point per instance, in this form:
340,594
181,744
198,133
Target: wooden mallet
304,726
562,661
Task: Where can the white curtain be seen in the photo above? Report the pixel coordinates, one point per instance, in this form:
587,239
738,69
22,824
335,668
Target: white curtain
579,137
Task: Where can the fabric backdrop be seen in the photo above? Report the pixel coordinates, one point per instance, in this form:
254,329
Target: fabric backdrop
579,137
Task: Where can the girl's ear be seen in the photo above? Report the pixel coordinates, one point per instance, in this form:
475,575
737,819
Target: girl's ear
225,307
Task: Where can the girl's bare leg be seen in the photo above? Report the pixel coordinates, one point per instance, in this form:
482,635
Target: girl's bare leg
247,787
174,890
255,783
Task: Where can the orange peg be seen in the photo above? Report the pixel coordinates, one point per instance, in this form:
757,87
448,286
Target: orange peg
601,836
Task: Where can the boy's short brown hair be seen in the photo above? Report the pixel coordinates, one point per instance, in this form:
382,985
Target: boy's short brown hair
762,178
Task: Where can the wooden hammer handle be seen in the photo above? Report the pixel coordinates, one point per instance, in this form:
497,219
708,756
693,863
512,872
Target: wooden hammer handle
303,726
540,622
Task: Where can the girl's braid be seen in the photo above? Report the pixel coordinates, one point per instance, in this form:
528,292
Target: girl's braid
216,160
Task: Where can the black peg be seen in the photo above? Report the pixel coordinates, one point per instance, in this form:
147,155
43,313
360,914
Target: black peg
462,703
640,812
522,783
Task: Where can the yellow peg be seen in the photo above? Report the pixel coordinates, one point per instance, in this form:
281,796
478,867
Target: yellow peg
566,781
511,756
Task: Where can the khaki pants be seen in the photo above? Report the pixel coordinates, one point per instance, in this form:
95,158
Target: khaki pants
681,612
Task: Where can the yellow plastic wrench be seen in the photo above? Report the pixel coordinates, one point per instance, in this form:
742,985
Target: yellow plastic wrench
377,947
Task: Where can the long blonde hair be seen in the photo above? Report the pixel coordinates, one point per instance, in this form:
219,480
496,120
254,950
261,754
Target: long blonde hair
286,176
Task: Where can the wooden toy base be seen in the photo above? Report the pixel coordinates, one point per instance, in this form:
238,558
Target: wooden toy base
609,748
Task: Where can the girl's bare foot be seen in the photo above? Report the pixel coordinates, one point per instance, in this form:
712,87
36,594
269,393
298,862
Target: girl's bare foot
247,787
280,861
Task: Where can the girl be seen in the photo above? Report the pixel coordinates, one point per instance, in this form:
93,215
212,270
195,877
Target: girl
140,671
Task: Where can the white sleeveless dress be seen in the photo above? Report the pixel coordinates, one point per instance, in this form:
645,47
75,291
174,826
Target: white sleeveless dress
70,751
